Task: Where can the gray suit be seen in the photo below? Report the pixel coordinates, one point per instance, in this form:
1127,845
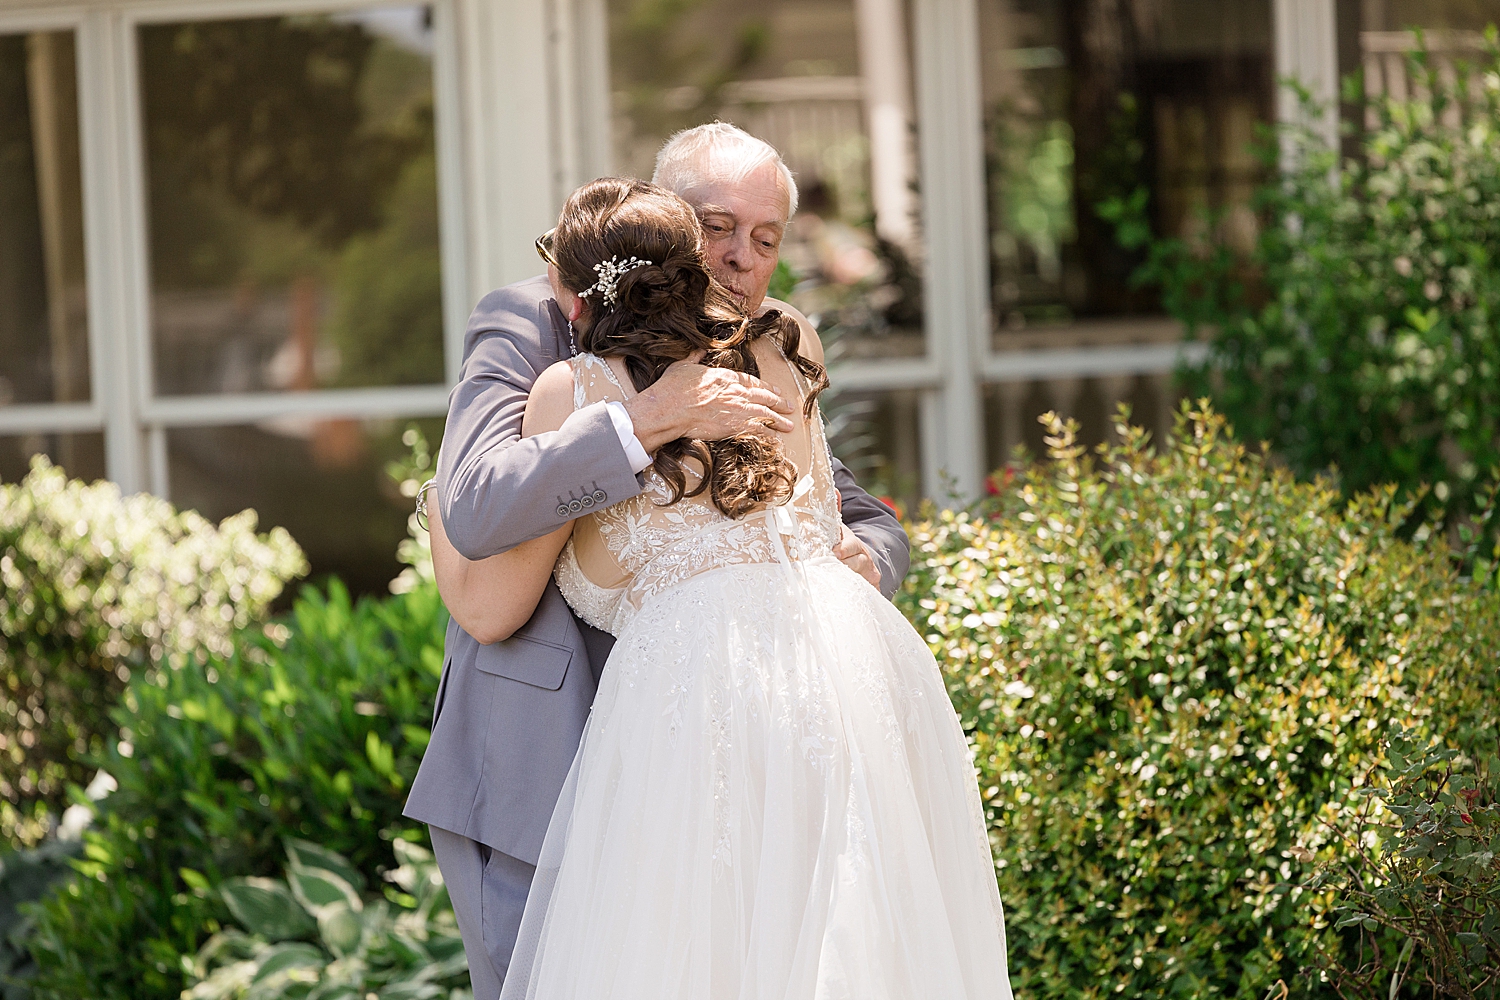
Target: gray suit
509,715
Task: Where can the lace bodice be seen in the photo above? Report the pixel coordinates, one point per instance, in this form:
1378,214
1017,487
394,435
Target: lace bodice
619,558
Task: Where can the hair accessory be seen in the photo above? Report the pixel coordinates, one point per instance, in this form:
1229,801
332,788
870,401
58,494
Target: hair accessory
610,272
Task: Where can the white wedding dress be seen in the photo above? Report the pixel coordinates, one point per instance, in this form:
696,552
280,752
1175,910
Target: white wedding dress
773,799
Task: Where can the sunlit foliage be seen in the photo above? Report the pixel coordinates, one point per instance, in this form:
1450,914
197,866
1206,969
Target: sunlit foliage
96,588
1176,668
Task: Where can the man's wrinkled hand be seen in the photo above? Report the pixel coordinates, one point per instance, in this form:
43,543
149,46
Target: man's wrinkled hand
857,556
710,404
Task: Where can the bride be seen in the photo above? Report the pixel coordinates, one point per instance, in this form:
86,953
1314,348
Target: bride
773,797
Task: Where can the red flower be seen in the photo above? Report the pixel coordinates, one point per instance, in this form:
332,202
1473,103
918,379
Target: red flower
999,481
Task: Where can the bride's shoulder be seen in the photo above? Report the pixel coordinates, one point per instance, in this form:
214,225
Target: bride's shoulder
810,346
550,401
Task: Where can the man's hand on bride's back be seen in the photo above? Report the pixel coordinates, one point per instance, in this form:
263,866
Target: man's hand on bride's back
710,404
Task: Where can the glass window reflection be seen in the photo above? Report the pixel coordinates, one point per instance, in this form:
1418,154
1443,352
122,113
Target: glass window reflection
1088,102
81,455
878,436
325,481
834,96
293,202
43,297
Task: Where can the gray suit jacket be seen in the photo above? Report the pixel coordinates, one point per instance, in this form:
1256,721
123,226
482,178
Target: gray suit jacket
509,715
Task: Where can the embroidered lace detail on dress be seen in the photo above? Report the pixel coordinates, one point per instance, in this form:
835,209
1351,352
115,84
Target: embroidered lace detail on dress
621,557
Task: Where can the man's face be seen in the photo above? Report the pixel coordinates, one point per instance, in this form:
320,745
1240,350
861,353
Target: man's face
743,224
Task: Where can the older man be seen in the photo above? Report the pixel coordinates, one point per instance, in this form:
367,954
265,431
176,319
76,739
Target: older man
510,714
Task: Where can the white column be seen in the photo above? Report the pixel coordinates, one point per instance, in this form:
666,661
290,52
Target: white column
957,269
887,98
583,50
1307,50
452,196
509,110
113,245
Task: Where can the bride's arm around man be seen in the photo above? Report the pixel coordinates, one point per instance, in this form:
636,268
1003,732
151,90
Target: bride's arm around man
513,699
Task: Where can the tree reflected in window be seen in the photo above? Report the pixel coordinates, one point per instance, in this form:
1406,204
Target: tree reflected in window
293,202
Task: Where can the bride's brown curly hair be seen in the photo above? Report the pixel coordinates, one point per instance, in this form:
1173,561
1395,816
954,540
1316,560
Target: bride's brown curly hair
663,312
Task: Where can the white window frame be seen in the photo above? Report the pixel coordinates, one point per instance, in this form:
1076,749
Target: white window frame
522,103
29,418
960,358
501,69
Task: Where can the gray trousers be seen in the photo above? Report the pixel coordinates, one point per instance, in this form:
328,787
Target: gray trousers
488,890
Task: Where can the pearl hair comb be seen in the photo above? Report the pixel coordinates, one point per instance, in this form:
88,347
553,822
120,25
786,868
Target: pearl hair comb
609,272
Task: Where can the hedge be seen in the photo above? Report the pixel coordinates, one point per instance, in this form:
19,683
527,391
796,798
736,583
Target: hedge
1175,668
311,728
95,588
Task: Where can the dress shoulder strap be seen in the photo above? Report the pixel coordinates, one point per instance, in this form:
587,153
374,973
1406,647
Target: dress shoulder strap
594,381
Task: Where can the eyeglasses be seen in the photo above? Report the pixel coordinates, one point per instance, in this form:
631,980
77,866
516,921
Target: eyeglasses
544,246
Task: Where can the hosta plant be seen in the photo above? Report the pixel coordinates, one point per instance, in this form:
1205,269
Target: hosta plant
316,936
312,728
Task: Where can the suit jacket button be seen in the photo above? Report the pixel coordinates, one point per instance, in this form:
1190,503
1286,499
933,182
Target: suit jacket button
562,510
574,506
587,501
600,496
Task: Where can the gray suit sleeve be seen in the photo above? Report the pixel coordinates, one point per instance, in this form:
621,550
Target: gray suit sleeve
876,525
495,489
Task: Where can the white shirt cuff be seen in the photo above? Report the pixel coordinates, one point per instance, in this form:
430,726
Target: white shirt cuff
625,428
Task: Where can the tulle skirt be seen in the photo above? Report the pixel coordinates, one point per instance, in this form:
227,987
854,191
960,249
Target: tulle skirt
773,801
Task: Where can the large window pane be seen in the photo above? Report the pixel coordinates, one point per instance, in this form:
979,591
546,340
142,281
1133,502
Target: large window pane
803,76
322,480
80,455
1092,100
878,436
293,202
43,304
1011,410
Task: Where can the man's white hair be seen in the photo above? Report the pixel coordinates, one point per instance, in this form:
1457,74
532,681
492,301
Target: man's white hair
721,152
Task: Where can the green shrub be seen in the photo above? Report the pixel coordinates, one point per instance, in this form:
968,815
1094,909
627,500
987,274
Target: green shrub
25,875
315,936
312,729
96,588
409,473
1368,339
1174,669
1419,883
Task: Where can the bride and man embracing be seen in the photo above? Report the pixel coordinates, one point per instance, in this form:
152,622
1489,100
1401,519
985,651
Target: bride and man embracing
684,748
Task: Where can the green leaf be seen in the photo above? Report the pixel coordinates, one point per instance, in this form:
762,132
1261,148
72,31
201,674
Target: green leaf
194,880
303,853
284,957
336,991
266,908
411,991
316,887
341,928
